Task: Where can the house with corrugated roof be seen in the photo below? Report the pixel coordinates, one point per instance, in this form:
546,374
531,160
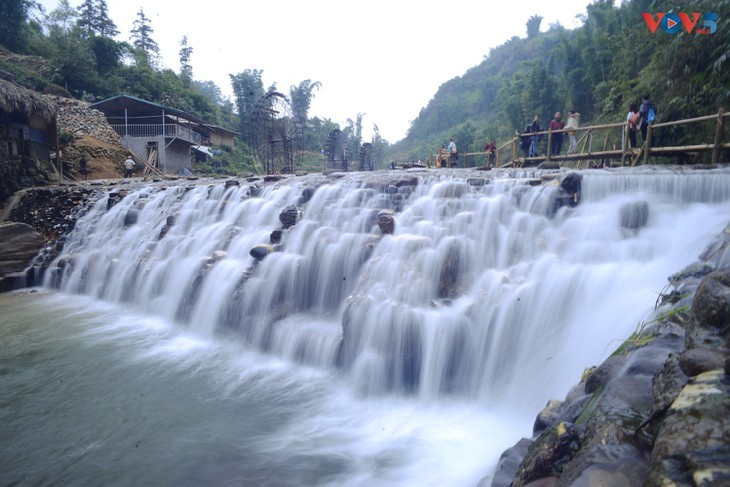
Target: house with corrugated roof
163,137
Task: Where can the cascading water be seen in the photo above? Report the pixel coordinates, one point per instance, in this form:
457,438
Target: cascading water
485,297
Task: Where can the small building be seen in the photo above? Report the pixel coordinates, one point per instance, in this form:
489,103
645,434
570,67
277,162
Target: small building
162,136
27,136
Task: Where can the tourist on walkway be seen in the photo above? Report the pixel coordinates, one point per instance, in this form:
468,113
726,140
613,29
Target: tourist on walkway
556,138
534,129
572,126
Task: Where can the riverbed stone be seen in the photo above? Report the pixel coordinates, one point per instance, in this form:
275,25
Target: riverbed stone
634,215
289,216
260,251
386,222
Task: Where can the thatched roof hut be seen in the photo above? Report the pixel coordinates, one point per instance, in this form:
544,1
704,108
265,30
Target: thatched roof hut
15,98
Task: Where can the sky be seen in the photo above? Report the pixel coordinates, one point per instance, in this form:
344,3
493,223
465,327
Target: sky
384,59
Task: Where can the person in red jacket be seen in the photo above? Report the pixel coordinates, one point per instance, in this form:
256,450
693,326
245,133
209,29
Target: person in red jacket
556,144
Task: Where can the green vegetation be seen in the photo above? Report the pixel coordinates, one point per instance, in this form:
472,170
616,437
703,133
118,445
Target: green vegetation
597,69
74,52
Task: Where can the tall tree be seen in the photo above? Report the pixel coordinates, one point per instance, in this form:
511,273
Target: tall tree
13,19
248,88
533,26
301,98
186,70
62,17
104,26
94,19
141,36
87,17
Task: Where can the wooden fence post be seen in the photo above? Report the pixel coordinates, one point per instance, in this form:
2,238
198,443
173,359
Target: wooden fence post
719,133
647,144
550,143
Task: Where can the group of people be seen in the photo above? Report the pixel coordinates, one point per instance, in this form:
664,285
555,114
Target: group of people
531,136
448,156
639,119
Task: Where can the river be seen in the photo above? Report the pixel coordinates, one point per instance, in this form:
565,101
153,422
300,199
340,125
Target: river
154,357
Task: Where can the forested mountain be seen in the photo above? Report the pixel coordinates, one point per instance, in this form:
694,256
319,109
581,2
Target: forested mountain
597,69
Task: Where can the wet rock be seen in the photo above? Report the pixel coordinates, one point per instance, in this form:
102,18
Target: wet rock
19,244
711,305
289,216
571,183
549,454
262,250
307,194
270,178
386,222
508,464
699,360
547,417
169,223
603,373
406,181
608,465
275,236
693,443
477,182
667,383
131,218
696,270
635,215
232,182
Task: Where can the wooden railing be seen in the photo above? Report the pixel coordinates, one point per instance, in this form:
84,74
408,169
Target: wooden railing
157,130
613,144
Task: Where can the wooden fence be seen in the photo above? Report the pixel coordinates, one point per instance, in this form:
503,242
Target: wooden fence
613,145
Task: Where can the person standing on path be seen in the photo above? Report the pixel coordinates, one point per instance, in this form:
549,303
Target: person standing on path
128,166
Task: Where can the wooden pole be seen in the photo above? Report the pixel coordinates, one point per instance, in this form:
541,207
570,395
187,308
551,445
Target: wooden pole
647,144
719,133
550,143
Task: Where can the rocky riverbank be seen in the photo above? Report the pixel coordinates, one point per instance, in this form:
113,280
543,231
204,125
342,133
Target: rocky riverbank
657,411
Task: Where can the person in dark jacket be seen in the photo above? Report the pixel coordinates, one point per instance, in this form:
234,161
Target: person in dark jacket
534,129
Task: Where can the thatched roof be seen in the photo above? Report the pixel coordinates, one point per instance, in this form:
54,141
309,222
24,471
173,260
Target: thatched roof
15,98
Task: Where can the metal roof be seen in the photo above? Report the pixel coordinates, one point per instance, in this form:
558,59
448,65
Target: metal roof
116,105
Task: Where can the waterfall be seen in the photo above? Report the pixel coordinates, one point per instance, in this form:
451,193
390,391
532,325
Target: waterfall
484,290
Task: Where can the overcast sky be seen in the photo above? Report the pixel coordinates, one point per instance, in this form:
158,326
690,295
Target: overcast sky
383,58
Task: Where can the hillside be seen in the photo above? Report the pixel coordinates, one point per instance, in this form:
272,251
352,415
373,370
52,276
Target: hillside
597,69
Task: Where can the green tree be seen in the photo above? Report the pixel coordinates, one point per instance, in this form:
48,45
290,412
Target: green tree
104,26
533,26
63,17
301,98
146,49
248,89
186,69
13,19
